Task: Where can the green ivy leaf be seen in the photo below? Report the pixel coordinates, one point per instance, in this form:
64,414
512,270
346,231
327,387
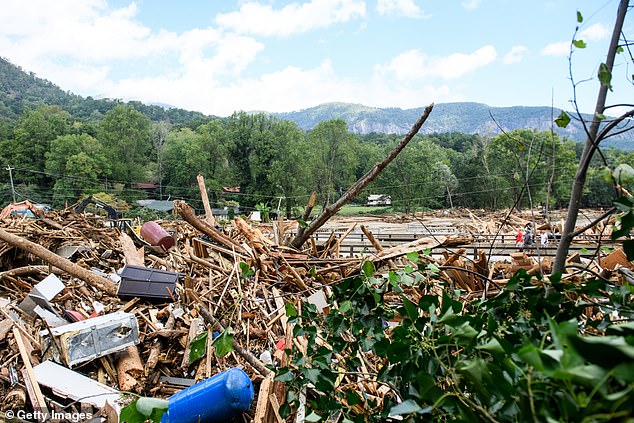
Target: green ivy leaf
291,311
198,347
312,417
352,398
247,272
579,17
493,347
368,268
605,351
302,223
627,223
562,120
410,309
433,268
345,307
606,174
605,76
406,407
412,256
579,43
143,409
224,342
284,375
600,116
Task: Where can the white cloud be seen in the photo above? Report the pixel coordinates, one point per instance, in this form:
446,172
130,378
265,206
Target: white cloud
556,49
288,89
414,65
596,32
516,55
399,7
261,19
471,4
84,46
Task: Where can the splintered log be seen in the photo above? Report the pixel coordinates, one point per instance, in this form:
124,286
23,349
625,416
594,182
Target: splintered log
209,216
129,369
53,259
309,208
361,183
186,211
132,256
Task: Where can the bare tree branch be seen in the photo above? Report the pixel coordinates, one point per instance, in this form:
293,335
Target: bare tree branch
361,183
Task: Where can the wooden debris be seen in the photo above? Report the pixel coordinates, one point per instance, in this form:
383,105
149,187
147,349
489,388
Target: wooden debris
209,216
130,369
240,276
614,259
53,259
32,387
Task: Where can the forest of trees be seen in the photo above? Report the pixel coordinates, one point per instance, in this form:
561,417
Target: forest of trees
57,158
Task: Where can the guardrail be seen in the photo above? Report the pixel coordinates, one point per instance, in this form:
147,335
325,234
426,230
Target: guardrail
495,245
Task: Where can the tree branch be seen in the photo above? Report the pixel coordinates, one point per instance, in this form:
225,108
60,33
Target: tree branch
361,183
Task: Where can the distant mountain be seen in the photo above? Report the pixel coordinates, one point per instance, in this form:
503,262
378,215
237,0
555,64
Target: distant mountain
468,118
20,90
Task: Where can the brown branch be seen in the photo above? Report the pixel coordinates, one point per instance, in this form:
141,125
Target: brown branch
53,259
361,183
187,212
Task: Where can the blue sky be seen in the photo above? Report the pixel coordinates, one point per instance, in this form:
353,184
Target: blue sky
218,57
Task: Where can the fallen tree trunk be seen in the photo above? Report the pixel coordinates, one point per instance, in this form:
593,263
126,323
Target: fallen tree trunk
53,259
361,183
187,213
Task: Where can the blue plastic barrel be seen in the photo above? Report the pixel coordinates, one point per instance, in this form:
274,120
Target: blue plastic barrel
217,399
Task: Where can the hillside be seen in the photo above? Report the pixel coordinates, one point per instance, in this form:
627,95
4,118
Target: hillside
466,117
20,89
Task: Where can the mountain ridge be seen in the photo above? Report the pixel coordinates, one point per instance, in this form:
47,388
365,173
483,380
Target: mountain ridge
20,89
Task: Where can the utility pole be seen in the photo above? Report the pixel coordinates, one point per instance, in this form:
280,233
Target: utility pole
9,168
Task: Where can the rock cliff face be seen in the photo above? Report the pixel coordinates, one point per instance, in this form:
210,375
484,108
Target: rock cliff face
468,118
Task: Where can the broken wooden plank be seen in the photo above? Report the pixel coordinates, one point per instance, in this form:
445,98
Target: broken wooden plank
401,250
32,386
263,404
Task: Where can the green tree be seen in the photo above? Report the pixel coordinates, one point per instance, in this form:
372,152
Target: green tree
208,156
521,168
179,177
418,177
34,133
79,162
160,132
126,136
332,153
286,172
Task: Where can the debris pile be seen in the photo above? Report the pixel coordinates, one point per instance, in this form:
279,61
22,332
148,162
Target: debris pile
90,311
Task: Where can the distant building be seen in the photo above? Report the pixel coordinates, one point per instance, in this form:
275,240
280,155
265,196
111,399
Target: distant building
379,200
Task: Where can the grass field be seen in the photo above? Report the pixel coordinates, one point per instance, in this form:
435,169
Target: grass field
353,210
